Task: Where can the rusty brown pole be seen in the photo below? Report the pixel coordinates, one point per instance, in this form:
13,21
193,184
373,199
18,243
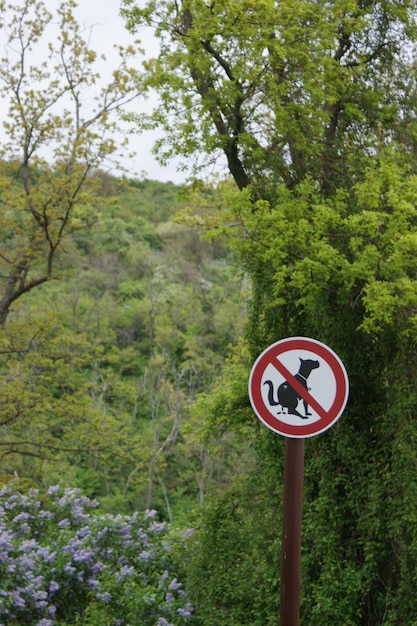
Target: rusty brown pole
291,533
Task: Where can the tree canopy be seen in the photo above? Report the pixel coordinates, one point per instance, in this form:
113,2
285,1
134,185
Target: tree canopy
283,90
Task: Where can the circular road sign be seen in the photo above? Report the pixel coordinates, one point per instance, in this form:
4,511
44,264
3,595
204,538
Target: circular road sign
298,387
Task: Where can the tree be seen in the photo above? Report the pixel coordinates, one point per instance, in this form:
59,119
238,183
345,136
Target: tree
282,90
58,124
58,130
313,106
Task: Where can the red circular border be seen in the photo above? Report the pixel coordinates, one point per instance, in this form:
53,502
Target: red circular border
323,351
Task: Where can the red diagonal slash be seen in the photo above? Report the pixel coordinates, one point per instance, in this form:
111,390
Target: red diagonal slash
300,389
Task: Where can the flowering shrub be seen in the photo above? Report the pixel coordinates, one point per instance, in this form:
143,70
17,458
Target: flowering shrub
62,563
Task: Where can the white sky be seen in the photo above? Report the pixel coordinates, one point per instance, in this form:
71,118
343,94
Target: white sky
109,29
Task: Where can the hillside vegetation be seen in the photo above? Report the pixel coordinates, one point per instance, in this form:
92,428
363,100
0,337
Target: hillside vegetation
100,365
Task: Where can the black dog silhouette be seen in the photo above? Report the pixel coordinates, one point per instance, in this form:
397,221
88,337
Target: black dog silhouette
287,396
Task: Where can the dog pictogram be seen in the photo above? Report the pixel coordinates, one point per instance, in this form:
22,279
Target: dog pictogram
287,396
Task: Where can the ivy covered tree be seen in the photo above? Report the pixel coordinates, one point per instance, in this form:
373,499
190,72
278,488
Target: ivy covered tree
311,106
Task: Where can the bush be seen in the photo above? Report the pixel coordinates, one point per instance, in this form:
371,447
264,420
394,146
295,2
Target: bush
62,563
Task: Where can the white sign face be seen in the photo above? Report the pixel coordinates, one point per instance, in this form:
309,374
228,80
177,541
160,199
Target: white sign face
298,387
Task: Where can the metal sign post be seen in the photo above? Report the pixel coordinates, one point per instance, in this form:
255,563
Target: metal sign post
298,387
290,592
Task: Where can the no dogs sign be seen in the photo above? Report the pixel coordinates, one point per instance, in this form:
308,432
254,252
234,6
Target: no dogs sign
298,387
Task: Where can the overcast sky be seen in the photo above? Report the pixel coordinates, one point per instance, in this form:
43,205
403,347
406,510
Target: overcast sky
109,29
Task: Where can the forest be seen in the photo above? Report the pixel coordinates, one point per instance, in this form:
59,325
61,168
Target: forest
138,485
101,365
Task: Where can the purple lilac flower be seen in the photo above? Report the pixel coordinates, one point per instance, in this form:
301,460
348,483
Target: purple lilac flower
124,573
185,612
104,597
24,529
107,553
93,583
46,555
84,532
22,517
143,537
73,545
84,556
53,586
163,578
41,604
28,545
64,523
11,502
5,542
157,527
102,532
77,513
84,501
34,592
174,585
18,601
97,567
125,531
27,562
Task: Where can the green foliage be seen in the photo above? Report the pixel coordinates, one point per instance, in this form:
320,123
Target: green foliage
312,105
282,91
99,369
240,552
345,276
